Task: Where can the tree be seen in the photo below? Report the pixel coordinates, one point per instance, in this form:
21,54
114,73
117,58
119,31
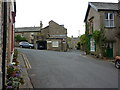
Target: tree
83,41
18,38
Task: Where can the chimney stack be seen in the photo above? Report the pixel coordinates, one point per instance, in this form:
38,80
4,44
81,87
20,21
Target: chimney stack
41,25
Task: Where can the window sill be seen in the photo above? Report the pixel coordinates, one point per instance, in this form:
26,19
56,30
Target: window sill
110,27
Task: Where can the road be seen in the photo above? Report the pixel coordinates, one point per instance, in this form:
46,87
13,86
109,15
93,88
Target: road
51,69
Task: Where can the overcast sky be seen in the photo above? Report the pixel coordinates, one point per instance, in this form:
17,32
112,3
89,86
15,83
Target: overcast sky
71,13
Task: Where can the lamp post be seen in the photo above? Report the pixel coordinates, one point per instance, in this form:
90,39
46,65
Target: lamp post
4,43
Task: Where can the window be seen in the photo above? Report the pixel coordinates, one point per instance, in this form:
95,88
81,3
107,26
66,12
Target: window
92,45
90,26
109,20
55,44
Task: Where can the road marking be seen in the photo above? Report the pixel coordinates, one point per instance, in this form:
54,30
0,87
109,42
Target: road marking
26,61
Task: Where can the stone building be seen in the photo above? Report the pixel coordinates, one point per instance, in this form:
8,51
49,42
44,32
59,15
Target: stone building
72,42
51,37
103,17
30,33
55,35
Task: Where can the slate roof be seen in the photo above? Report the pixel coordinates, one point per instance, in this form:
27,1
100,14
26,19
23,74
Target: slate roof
102,6
27,29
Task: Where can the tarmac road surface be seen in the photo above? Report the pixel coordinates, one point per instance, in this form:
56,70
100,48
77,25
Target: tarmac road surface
51,69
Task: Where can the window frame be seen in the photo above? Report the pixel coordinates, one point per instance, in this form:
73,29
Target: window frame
92,45
55,43
109,22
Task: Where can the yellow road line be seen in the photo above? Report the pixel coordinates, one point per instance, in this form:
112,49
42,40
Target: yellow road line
26,61
0,68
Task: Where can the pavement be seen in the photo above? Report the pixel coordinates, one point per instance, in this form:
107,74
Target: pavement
24,66
0,74
0,80
22,59
92,56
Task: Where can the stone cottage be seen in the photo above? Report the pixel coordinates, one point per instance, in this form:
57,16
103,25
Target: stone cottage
51,37
55,36
103,17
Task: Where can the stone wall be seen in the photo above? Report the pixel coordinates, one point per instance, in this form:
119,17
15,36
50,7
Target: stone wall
56,45
56,29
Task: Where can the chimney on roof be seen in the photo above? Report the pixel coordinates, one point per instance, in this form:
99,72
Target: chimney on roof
41,25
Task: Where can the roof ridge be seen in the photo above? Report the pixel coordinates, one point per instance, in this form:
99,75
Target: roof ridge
105,2
27,27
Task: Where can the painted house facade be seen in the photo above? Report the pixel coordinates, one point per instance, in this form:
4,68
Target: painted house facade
103,17
11,13
11,27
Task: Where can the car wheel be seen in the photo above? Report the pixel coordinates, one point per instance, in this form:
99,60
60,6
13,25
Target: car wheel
30,47
117,64
21,46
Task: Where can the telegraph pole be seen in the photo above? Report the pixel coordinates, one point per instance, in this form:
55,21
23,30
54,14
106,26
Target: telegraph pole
4,43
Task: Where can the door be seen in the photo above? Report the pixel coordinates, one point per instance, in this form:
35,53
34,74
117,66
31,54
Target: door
110,50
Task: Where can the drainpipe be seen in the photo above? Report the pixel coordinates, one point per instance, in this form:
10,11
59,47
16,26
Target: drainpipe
119,5
4,43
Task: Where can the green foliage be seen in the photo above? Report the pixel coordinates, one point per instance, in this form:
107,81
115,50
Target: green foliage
19,38
83,39
23,39
97,36
104,53
78,45
15,54
14,77
87,49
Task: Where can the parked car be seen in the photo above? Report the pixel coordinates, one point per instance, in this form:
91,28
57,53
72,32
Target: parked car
117,62
26,45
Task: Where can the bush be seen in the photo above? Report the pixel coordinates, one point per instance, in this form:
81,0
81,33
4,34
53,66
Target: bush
104,53
19,38
83,39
